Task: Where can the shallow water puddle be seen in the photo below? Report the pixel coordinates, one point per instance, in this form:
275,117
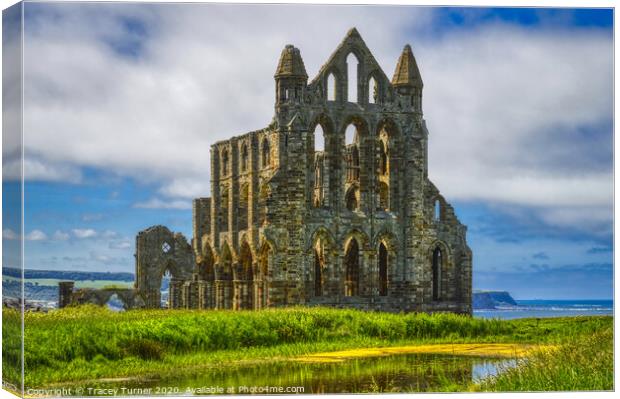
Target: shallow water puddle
414,372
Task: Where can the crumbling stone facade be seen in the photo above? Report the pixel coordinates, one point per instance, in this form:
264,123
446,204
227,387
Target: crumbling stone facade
356,223
81,296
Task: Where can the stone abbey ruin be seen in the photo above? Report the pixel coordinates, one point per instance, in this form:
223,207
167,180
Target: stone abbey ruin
328,205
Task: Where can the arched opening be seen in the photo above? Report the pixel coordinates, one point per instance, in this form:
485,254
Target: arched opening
319,265
224,163
387,171
318,191
352,268
437,210
373,91
331,87
224,287
206,271
262,285
115,304
352,199
383,270
244,295
165,289
266,153
352,155
437,263
350,134
242,217
352,68
319,138
244,158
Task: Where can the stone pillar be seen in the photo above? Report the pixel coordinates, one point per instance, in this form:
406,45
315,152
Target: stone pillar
218,294
237,294
227,292
65,293
175,294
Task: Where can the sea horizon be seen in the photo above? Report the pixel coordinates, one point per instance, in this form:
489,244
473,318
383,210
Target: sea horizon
539,308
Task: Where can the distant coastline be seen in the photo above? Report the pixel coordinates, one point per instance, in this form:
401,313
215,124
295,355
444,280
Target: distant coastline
41,289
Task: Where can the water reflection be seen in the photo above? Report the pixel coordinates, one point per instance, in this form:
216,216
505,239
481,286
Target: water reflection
397,373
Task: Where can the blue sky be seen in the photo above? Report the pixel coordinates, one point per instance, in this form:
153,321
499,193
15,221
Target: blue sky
518,102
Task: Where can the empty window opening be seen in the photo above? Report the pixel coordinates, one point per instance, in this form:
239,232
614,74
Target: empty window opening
373,91
319,264
352,66
164,289
317,195
165,247
352,156
115,304
437,210
383,270
352,268
350,134
331,87
319,139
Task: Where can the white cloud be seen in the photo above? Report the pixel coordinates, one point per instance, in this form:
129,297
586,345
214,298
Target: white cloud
41,170
120,245
109,234
186,188
512,112
522,117
154,118
9,234
60,235
84,233
36,235
157,203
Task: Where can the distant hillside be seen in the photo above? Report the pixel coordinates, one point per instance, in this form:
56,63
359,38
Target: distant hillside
67,275
492,299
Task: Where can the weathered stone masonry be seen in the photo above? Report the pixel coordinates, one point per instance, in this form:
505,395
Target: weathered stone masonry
354,224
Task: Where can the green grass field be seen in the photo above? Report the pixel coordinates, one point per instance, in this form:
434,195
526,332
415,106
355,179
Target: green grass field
89,342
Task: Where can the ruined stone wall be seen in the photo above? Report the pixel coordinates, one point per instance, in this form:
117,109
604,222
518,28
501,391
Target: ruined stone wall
160,251
350,225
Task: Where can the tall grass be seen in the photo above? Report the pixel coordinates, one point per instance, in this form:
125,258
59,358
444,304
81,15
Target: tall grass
90,331
583,364
91,341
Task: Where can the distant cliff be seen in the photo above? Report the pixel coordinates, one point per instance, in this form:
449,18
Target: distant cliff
492,299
